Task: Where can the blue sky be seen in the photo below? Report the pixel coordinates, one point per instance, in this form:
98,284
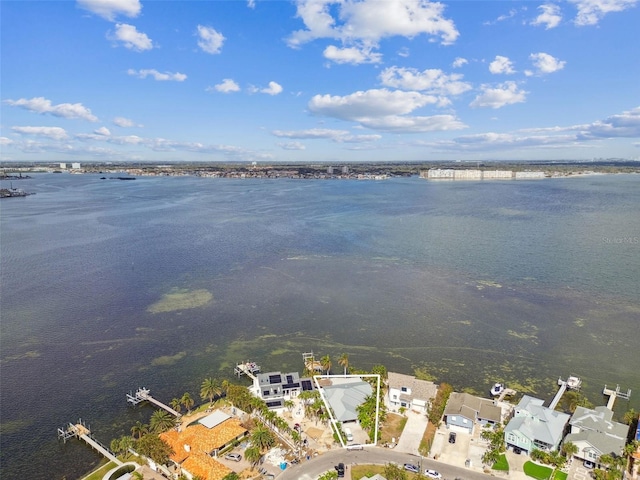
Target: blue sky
319,80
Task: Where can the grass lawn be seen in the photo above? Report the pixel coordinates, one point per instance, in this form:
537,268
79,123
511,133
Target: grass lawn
539,472
427,439
100,472
558,475
392,428
359,471
501,464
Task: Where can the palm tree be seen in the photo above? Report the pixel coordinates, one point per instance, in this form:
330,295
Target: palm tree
253,455
139,429
325,362
161,421
176,404
343,361
126,442
210,388
569,449
289,404
187,401
262,438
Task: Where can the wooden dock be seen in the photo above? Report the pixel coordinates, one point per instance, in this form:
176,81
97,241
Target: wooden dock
613,394
81,431
144,395
247,368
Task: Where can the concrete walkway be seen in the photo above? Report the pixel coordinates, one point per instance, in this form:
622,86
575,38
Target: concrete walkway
411,436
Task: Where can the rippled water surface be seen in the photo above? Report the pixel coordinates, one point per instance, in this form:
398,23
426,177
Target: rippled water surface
160,282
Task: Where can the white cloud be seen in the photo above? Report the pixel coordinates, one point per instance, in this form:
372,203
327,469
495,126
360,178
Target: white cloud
338,136
512,13
545,63
210,40
403,52
291,146
459,61
131,38
364,23
505,94
251,3
430,80
501,65
109,9
226,86
354,55
102,131
5,141
273,89
626,124
56,133
64,110
382,109
590,12
550,16
125,122
161,77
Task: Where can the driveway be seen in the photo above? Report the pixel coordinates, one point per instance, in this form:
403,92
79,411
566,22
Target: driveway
411,436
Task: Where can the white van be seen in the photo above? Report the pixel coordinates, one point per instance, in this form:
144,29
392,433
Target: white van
347,432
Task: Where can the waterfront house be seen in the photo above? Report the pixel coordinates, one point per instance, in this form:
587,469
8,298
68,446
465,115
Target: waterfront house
534,426
275,387
465,410
196,446
408,392
344,395
595,433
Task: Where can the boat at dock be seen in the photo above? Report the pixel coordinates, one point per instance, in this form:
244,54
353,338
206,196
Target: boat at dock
497,389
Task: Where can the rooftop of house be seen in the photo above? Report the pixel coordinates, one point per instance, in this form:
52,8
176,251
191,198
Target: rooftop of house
345,396
205,467
420,389
602,442
288,381
598,419
537,422
470,406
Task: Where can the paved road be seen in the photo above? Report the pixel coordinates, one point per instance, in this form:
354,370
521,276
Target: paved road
311,469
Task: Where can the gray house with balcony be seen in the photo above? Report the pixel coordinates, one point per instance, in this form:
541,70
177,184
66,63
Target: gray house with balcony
465,410
275,387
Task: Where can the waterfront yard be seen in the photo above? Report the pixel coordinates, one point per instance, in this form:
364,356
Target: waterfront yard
539,472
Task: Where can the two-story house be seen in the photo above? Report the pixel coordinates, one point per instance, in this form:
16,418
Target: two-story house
408,392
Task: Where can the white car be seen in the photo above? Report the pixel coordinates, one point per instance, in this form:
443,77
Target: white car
432,474
236,457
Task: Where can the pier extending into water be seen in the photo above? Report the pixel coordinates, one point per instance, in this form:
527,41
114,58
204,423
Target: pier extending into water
247,368
81,431
144,394
572,383
613,394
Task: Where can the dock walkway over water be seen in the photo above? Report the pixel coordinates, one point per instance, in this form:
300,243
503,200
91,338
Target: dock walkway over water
81,431
572,383
613,394
144,394
247,368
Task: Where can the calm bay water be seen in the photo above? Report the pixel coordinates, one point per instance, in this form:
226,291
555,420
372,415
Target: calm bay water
470,282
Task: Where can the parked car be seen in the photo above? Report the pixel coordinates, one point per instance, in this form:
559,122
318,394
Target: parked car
452,437
588,464
517,450
236,457
340,469
411,468
432,474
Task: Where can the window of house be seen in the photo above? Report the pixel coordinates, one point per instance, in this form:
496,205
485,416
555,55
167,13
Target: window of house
453,418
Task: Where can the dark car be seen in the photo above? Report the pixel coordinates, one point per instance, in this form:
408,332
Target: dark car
452,437
517,450
411,468
340,470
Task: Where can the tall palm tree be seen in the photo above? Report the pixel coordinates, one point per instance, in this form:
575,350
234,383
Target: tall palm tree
569,449
262,438
343,361
325,362
139,429
161,421
210,388
289,404
187,401
176,404
253,455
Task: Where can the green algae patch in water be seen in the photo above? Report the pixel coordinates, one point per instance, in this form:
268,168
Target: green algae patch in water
181,299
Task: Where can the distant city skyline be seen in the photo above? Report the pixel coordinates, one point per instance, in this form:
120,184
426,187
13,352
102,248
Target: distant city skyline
318,81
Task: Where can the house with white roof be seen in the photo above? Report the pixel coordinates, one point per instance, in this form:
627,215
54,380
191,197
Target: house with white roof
275,387
534,426
407,391
595,433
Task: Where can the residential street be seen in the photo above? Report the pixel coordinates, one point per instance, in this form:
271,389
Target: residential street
309,470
